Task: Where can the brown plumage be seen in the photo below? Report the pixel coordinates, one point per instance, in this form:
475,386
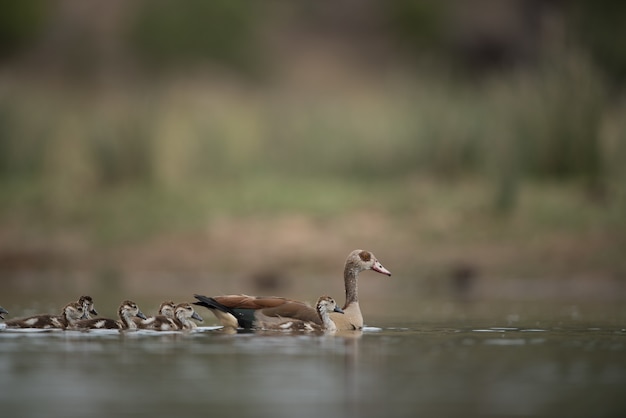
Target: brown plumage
249,311
164,321
87,303
71,313
127,310
184,312
324,306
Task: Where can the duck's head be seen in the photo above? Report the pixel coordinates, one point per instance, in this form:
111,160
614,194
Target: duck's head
167,309
129,309
2,312
184,311
87,303
74,311
327,304
361,260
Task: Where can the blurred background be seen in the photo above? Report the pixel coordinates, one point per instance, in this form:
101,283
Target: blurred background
153,150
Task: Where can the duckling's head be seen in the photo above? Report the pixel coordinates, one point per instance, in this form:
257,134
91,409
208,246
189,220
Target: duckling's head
327,304
167,309
128,309
87,303
74,311
3,311
184,311
360,260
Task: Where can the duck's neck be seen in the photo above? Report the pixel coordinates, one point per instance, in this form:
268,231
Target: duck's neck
65,320
86,309
68,317
350,274
127,320
168,313
185,322
327,323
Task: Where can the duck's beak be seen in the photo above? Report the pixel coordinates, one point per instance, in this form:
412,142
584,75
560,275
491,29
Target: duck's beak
338,309
93,311
197,317
3,311
377,267
141,315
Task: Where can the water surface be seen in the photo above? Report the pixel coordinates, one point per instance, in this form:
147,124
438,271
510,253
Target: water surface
393,370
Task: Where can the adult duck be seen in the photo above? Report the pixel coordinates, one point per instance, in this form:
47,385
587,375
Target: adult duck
245,311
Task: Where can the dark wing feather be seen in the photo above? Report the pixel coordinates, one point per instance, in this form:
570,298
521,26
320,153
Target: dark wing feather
212,303
244,317
248,309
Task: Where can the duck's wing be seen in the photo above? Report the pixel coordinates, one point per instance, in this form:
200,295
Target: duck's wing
247,310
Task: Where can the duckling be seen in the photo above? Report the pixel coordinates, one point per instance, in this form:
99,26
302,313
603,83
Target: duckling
168,309
3,311
87,303
184,311
324,306
164,321
126,312
72,312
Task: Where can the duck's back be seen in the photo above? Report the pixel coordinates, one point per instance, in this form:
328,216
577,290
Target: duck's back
103,323
38,321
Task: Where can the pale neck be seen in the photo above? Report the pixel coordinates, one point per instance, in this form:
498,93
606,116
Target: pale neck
328,323
65,319
350,274
68,317
185,322
127,320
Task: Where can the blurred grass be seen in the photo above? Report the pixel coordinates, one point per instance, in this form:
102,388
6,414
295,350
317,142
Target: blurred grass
518,160
548,126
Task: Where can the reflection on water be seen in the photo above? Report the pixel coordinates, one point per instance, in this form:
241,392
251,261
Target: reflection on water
391,371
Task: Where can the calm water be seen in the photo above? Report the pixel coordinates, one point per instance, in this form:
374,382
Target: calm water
410,370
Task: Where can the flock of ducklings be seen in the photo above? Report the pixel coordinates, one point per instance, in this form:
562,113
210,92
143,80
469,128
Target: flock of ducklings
171,317
233,311
78,316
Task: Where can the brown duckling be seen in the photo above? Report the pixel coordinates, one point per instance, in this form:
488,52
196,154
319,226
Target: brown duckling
127,310
184,313
87,303
72,312
164,321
